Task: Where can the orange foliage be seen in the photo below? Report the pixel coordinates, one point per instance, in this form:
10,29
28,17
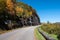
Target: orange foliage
19,9
10,6
30,13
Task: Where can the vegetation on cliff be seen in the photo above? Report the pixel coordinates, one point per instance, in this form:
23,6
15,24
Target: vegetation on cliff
16,14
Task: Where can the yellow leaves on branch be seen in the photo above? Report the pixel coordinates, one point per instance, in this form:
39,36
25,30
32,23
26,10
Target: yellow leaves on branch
10,6
19,9
28,13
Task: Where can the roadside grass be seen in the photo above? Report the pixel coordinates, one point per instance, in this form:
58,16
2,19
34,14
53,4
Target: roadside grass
1,31
51,35
38,36
4,31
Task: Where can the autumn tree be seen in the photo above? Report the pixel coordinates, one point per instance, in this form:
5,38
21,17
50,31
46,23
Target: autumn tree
2,6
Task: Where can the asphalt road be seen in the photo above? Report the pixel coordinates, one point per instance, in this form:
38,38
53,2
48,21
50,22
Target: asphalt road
19,34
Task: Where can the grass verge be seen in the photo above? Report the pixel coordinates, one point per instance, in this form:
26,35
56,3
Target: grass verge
4,31
51,35
38,36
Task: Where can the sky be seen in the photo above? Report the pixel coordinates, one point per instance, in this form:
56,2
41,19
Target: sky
47,10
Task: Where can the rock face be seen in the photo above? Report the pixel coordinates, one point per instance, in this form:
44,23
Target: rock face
18,14
32,18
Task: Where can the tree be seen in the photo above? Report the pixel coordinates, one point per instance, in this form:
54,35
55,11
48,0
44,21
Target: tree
48,22
2,6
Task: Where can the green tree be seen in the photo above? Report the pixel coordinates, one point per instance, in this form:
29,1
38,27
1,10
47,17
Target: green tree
2,6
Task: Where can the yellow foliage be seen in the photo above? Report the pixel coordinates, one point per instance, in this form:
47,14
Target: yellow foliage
30,13
19,9
10,6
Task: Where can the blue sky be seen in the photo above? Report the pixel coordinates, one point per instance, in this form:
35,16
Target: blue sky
47,10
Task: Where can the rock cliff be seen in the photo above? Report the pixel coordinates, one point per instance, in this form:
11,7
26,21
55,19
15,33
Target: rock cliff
17,14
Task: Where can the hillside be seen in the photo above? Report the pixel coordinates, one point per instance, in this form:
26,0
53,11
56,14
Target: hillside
16,14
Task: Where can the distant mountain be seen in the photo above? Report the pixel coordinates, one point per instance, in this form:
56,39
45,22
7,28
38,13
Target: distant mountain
57,23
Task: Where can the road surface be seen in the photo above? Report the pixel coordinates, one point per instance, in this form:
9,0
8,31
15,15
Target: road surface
19,34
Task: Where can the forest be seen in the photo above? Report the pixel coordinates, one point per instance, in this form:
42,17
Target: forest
15,14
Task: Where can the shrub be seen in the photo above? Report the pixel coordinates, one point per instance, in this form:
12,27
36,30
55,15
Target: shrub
51,28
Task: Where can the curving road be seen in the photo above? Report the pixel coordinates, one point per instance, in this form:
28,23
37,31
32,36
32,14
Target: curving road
19,34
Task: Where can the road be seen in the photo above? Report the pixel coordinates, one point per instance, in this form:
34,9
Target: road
19,34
